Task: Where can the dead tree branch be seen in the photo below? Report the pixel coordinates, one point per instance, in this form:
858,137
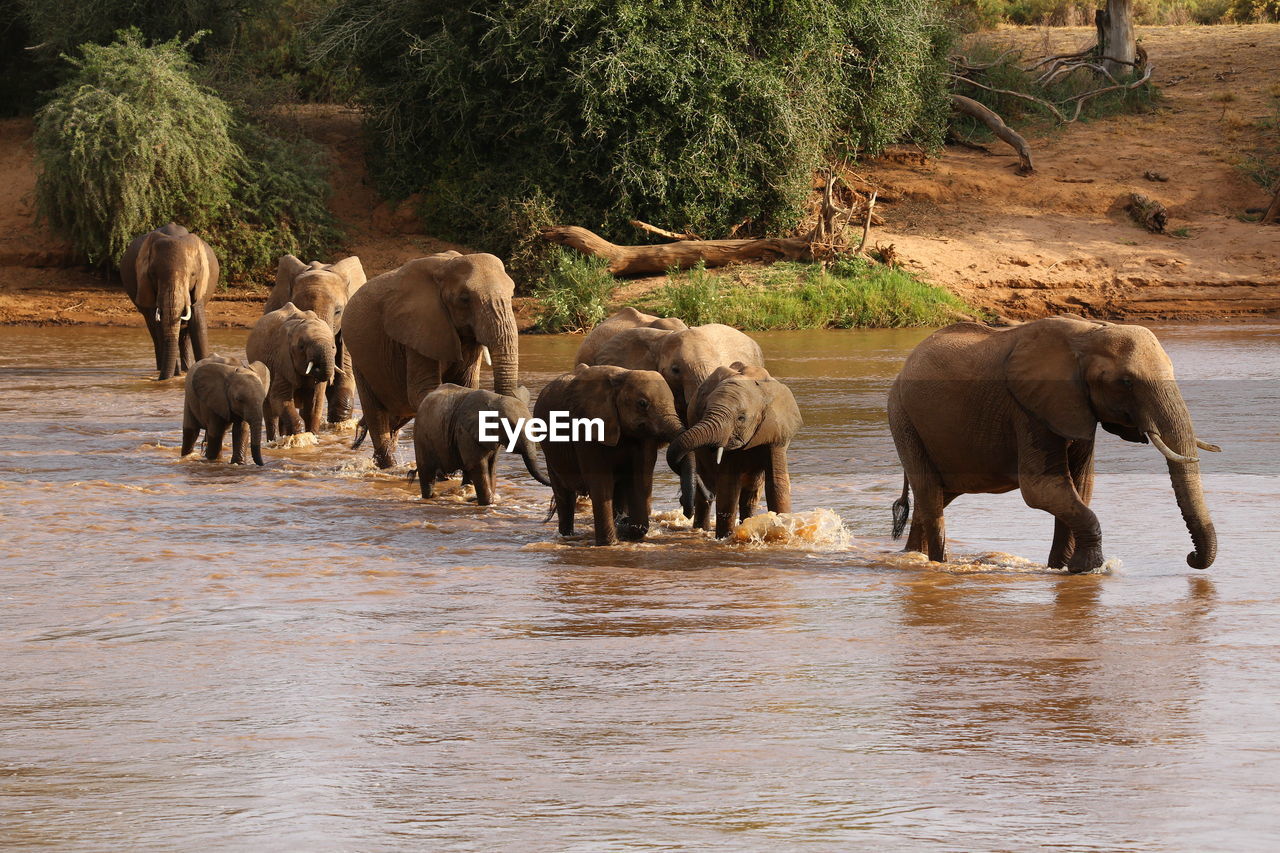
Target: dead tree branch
970,107
662,232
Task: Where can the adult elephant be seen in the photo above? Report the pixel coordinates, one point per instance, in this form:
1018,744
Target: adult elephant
977,409
170,273
621,321
426,323
742,421
324,289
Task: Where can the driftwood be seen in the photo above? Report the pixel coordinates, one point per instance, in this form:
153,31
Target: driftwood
970,107
662,232
827,239
1147,212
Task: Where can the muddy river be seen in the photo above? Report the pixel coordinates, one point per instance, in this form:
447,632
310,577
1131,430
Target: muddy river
307,656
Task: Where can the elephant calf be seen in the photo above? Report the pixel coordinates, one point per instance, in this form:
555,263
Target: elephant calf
298,348
741,422
447,438
638,413
224,392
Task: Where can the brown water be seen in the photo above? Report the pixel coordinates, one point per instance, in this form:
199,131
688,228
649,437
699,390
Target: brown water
307,656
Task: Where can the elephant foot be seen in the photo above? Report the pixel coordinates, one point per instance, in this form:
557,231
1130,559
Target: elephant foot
1085,559
632,531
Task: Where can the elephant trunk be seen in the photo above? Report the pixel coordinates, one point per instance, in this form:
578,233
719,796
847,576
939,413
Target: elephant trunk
255,437
530,455
169,313
1172,425
712,429
498,333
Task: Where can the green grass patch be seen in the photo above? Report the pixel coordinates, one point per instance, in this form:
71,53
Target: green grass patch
574,295
852,293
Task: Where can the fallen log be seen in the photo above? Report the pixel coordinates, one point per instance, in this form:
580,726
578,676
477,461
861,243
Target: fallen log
682,254
970,107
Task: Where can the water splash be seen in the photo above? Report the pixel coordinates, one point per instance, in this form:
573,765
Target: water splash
302,439
816,529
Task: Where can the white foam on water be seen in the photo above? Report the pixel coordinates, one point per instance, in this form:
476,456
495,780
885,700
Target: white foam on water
818,529
302,439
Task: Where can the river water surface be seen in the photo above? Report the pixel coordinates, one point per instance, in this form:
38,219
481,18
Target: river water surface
309,657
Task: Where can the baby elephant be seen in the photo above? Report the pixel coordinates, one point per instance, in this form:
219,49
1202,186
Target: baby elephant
224,392
638,413
298,348
741,421
447,437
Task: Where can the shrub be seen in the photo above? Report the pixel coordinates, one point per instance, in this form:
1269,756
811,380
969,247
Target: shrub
689,114
575,292
851,293
131,141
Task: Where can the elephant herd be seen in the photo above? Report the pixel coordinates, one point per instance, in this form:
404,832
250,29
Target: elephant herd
975,409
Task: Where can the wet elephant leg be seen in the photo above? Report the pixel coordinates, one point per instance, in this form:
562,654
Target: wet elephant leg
1080,465
157,334
341,393
185,359
601,489
199,331
749,498
728,489
1046,482
566,501
481,479
239,440
640,492
213,440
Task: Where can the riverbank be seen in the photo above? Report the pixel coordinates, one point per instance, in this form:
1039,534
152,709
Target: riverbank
1012,246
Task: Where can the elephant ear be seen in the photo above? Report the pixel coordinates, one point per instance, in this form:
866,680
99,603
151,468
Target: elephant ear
1045,377
263,373
353,271
594,395
146,281
696,407
414,313
286,271
751,371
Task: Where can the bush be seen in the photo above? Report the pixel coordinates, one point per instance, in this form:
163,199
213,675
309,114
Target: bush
575,292
852,293
689,114
130,142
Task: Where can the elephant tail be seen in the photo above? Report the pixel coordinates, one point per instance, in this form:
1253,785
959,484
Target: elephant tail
413,473
361,432
551,510
902,508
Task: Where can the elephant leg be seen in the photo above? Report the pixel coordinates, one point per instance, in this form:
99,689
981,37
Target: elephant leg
601,489
493,474
728,491
482,480
639,497
239,438
777,480
190,431
199,331
213,440
1046,481
566,502
1080,464
422,375
341,393
310,405
378,424
427,468
928,528
749,497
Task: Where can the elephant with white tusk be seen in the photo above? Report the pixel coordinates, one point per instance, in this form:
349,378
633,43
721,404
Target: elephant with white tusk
428,322
170,273
324,289
977,409
298,348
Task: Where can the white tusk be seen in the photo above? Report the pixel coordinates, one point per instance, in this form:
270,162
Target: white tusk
1204,445
1168,453
484,353
719,454
186,315
310,364
157,314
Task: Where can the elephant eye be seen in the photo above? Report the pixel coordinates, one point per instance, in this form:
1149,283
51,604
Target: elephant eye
675,368
1127,381
642,403
742,418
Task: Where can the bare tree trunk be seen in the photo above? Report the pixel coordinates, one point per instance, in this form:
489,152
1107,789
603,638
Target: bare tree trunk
1116,42
657,259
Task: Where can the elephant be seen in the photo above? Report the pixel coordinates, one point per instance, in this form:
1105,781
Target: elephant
298,348
742,422
425,323
324,289
620,321
983,410
170,273
446,438
685,358
224,392
638,413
